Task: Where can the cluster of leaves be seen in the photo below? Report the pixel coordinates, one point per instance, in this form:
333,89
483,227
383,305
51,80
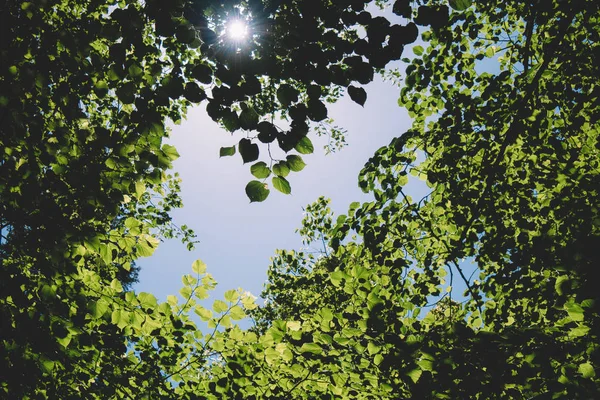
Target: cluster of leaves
512,160
266,78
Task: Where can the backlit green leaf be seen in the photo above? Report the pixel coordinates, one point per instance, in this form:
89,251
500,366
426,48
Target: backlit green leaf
220,306
295,163
248,150
460,5
260,170
199,267
282,185
304,146
227,151
281,169
587,370
257,191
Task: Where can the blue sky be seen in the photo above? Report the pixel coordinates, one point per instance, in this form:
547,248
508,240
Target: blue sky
237,238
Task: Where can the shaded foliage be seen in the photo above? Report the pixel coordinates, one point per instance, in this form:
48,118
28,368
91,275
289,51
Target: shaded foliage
86,89
511,159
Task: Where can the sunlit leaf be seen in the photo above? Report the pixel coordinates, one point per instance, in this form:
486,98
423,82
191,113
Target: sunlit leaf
260,170
295,163
304,146
227,151
257,191
282,185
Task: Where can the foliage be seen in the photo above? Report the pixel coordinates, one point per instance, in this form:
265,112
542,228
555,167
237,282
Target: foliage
511,158
86,89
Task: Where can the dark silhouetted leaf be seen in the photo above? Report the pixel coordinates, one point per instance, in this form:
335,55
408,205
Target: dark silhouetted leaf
402,8
358,95
248,119
194,93
267,132
287,95
248,150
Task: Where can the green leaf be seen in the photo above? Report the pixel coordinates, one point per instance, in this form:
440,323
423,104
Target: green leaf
358,95
418,50
170,152
135,71
116,286
99,308
140,189
172,300
293,325
220,306
560,283
47,365
186,292
336,277
231,295
199,267
248,150
281,169
237,313
257,191
203,313
147,300
415,374
372,348
575,311
227,151
460,5
579,331
304,146
146,245
101,88
260,170
48,292
587,370
295,163
426,363
282,185
120,318
311,348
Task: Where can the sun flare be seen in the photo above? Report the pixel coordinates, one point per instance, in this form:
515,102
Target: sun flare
237,30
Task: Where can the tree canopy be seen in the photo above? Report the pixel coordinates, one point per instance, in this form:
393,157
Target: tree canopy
505,105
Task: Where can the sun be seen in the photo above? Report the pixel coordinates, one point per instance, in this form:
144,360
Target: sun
237,30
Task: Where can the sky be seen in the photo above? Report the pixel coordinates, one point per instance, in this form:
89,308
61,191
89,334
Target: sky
236,237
